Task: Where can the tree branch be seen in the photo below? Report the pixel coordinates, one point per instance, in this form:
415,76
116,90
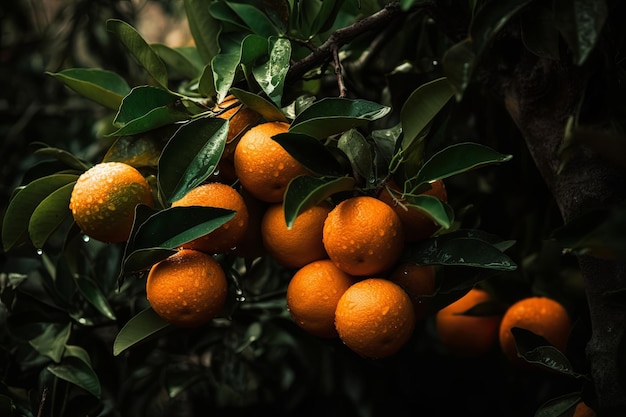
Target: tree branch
341,37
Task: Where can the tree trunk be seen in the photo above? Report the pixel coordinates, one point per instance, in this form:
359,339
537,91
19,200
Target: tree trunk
540,95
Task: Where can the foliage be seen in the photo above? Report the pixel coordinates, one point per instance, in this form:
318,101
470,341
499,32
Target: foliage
77,330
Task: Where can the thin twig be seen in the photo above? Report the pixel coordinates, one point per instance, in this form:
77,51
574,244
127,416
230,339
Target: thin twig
42,402
338,72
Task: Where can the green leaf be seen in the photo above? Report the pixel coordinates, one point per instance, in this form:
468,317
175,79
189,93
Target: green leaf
61,155
50,214
459,62
104,87
206,84
271,74
191,156
421,108
24,203
140,49
93,294
536,350
254,18
359,153
461,251
226,63
143,151
310,152
146,108
181,62
562,406
455,159
75,371
168,229
141,328
268,110
305,191
433,208
330,116
326,16
539,32
580,22
51,342
204,28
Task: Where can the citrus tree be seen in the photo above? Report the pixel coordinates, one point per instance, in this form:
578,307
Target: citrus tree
277,213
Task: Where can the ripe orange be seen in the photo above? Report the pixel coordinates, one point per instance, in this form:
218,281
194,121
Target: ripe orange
542,316
375,318
188,289
302,243
363,236
251,244
419,282
263,166
417,225
228,235
312,296
464,335
104,198
583,410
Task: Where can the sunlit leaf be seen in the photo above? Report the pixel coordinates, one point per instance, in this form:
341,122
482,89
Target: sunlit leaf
24,203
102,86
51,342
305,191
143,151
139,49
204,28
268,110
191,156
141,328
271,74
330,116
421,108
310,152
50,214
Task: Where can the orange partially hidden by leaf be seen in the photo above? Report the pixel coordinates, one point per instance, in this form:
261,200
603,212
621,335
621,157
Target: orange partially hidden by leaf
188,289
312,296
375,318
419,282
104,198
219,195
467,335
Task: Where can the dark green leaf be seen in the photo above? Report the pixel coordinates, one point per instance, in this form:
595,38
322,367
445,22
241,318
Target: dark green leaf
562,406
93,294
359,153
50,214
148,107
271,74
102,86
138,48
204,28
178,61
461,251
142,259
326,16
191,156
580,22
61,155
433,208
142,327
24,203
304,192
254,18
421,108
268,111
220,11
455,159
226,63
330,116
539,32
51,342
206,84
76,371
459,62
535,349
310,152
6,406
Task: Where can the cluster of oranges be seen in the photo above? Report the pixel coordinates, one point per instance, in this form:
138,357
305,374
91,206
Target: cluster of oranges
349,280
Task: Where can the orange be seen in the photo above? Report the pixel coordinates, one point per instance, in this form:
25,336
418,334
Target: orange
228,235
465,335
417,225
375,318
313,294
251,244
419,282
104,198
302,243
187,289
263,166
363,236
540,315
583,410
